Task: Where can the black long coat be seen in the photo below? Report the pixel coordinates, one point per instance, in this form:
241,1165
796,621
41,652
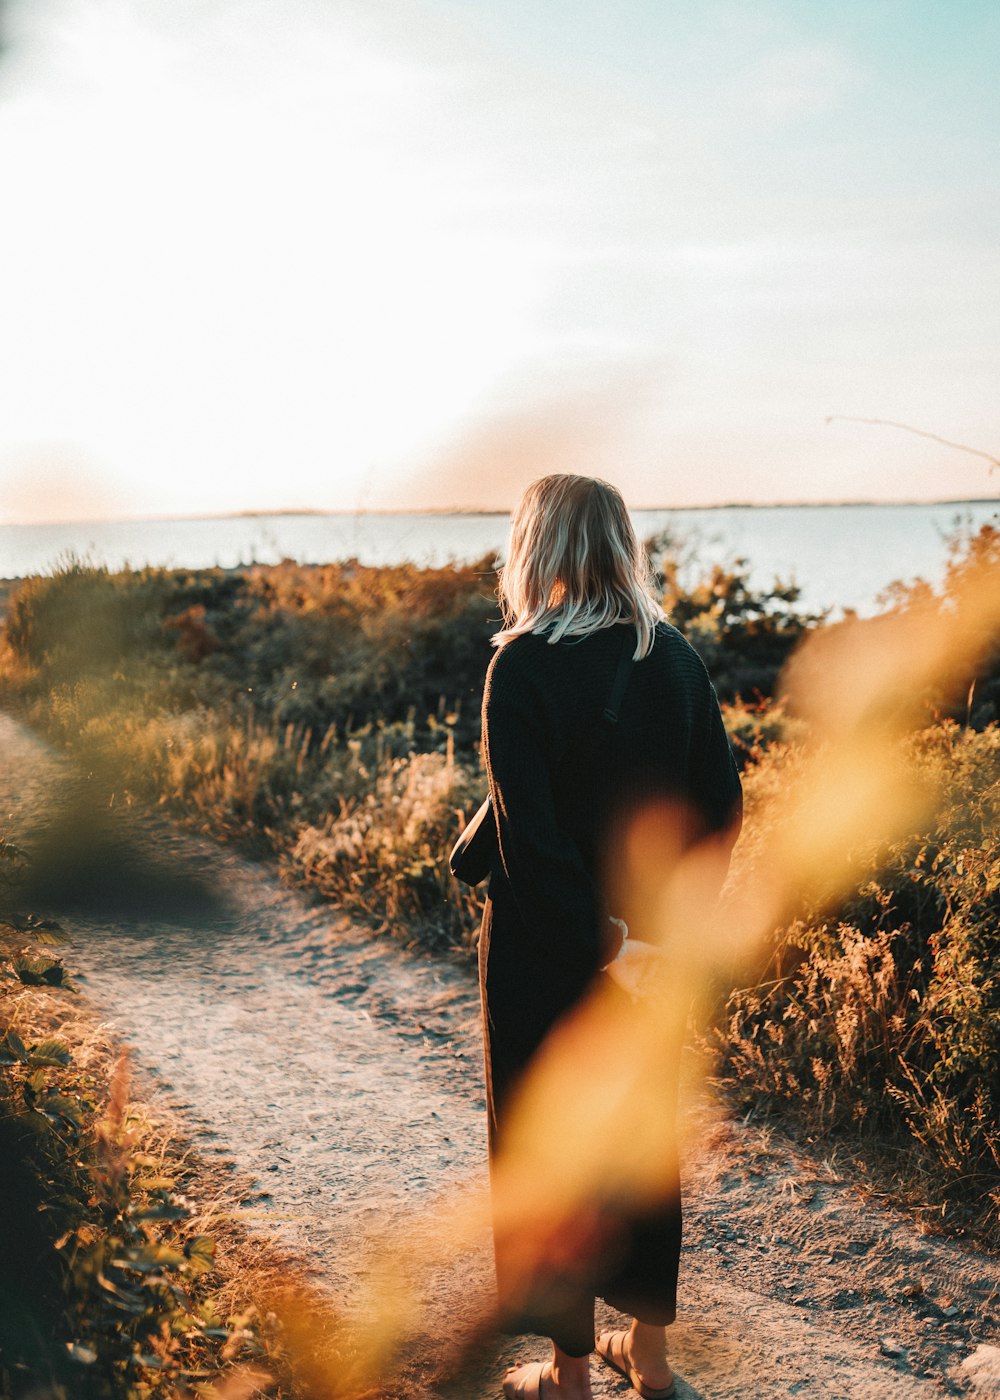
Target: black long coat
560,780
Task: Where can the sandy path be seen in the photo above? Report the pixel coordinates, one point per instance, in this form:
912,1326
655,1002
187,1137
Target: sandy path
342,1077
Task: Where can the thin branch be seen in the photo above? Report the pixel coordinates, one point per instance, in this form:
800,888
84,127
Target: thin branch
920,432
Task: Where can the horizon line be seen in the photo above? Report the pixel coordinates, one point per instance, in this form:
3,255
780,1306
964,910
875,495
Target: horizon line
313,512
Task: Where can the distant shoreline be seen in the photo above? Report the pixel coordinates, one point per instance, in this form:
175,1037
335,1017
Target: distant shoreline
462,511
840,554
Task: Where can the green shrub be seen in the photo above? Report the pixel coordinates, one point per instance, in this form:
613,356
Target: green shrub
83,619
743,634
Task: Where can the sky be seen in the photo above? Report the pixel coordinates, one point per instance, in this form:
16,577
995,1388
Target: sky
379,254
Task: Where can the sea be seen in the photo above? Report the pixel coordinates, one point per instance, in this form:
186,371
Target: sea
839,556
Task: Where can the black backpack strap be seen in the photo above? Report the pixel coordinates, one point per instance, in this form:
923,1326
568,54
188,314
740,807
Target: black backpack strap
610,715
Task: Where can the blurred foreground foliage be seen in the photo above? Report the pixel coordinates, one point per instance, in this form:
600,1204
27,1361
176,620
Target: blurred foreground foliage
108,1281
330,716
880,1021
315,647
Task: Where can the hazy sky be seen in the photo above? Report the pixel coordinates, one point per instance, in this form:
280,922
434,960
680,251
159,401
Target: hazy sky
266,254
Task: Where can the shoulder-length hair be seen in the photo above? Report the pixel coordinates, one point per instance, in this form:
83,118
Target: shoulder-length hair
574,565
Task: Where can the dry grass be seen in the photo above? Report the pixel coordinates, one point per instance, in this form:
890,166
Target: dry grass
124,1183
860,892
252,1325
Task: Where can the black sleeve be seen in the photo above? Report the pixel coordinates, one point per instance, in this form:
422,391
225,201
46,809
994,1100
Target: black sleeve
715,778
554,892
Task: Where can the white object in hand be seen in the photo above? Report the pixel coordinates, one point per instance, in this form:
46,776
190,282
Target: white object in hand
638,968
623,926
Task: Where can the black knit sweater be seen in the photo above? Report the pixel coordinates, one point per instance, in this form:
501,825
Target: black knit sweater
561,778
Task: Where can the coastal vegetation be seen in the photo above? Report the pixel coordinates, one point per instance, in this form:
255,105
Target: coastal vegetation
877,1023
327,718
110,1284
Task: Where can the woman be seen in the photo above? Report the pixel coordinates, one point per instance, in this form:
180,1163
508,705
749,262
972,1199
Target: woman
564,779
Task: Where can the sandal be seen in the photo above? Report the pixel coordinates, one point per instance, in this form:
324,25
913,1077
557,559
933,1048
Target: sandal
610,1347
529,1384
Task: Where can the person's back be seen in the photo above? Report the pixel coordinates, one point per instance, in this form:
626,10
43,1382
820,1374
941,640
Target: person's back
575,780
667,741
566,783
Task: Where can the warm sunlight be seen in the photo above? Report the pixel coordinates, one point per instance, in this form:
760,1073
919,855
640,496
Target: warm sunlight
499,700
314,256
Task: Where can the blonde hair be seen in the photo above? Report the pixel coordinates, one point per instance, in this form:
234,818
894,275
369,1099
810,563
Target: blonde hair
575,565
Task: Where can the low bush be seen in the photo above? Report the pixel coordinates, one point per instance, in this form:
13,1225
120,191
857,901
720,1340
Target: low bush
328,715
743,634
883,1020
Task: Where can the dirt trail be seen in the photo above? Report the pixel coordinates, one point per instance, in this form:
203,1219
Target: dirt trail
342,1077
